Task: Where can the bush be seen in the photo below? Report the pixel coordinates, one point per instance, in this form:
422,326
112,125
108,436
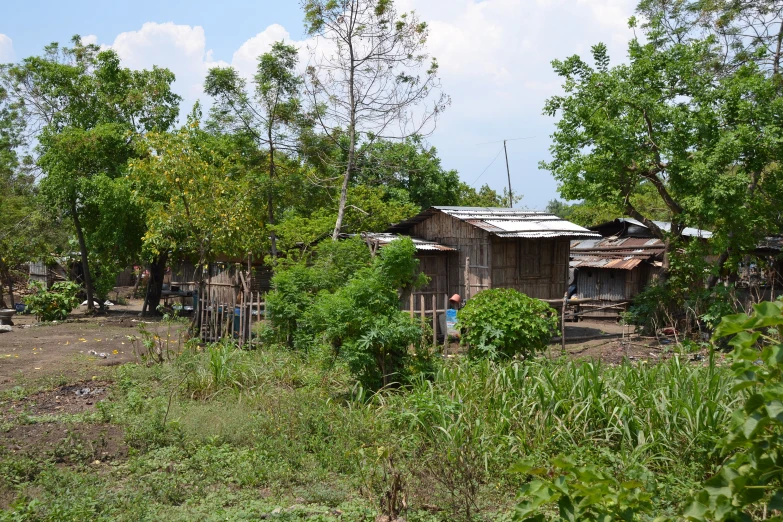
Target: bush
362,320
53,304
297,285
503,321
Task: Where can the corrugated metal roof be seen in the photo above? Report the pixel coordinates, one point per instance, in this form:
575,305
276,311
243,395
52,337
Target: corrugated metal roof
630,244
422,245
624,253
773,243
663,225
599,262
506,222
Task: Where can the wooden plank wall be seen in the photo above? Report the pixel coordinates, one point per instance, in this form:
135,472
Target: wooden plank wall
435,266
535,267
471,242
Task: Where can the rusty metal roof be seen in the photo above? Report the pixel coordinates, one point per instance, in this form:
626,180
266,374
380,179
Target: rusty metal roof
599,262
625,253
422,245
506,222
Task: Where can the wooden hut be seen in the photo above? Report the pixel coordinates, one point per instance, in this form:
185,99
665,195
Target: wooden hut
616,268
494,248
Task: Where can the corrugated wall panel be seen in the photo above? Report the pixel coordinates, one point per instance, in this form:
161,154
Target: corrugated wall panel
598,283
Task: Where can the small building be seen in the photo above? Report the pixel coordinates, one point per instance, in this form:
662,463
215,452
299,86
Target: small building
614,269
470,249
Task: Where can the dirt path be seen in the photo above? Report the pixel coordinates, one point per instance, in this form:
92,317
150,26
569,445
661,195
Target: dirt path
35,351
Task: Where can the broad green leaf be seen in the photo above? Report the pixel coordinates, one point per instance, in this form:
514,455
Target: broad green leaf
731,324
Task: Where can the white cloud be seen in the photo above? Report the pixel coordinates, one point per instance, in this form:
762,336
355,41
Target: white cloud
89,39
6,49
494,58
245,58
180,48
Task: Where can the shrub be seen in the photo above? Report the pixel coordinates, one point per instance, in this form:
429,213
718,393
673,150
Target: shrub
297,285
362,320
503,321
751,478
53,304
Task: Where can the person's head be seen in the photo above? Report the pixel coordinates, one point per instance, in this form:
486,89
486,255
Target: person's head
455,300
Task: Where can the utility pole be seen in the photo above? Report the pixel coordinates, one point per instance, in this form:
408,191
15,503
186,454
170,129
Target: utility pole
510,196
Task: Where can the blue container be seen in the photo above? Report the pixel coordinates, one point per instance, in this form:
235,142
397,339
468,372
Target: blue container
20,308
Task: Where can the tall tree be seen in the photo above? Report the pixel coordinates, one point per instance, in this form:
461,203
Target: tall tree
196,196
706,143
87,112
368,77
743,31
267,115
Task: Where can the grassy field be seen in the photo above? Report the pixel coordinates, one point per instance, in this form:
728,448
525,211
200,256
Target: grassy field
224,434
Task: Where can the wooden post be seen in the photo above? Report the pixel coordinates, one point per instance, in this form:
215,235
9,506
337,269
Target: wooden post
446,328
412,303
562,323
467,278
242,318
434,321
421,306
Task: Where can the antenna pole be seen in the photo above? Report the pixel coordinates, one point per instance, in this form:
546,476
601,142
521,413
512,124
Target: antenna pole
510,196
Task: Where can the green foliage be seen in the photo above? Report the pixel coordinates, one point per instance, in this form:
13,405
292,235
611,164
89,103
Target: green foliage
363,323
86,113
581,493
53,304
295,286
752,475
659,306
197,198
678,129
506,322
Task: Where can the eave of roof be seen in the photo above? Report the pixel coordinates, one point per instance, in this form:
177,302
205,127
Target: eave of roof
663,225
422,245
506,222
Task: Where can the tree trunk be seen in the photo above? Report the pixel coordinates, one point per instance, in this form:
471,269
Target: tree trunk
2,298
85,264
351,150
155,285
270,198
713,279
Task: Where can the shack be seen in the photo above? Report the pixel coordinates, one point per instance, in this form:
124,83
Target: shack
613,270
492,248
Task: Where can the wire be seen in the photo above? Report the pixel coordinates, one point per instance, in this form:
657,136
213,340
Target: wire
501,141
487,167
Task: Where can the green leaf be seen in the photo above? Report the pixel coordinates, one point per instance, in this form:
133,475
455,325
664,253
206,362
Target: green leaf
731,324
776,502
566,507
775,410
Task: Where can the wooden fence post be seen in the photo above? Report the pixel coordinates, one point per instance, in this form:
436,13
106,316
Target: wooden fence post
562,323
467,278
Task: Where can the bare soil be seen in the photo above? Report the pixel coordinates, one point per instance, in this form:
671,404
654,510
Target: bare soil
69,351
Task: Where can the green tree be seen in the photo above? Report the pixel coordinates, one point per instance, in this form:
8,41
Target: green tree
268,115
25,233
409,168
666,123
88,112
197,197
369,81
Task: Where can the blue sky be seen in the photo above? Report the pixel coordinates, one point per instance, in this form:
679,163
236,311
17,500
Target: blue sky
494,57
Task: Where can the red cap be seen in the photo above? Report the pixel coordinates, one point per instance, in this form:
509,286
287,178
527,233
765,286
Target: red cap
456,298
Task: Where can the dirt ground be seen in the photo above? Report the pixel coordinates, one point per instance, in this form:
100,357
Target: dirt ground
69,351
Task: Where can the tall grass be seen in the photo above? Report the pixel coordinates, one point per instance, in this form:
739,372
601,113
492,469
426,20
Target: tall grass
285,421
663,418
